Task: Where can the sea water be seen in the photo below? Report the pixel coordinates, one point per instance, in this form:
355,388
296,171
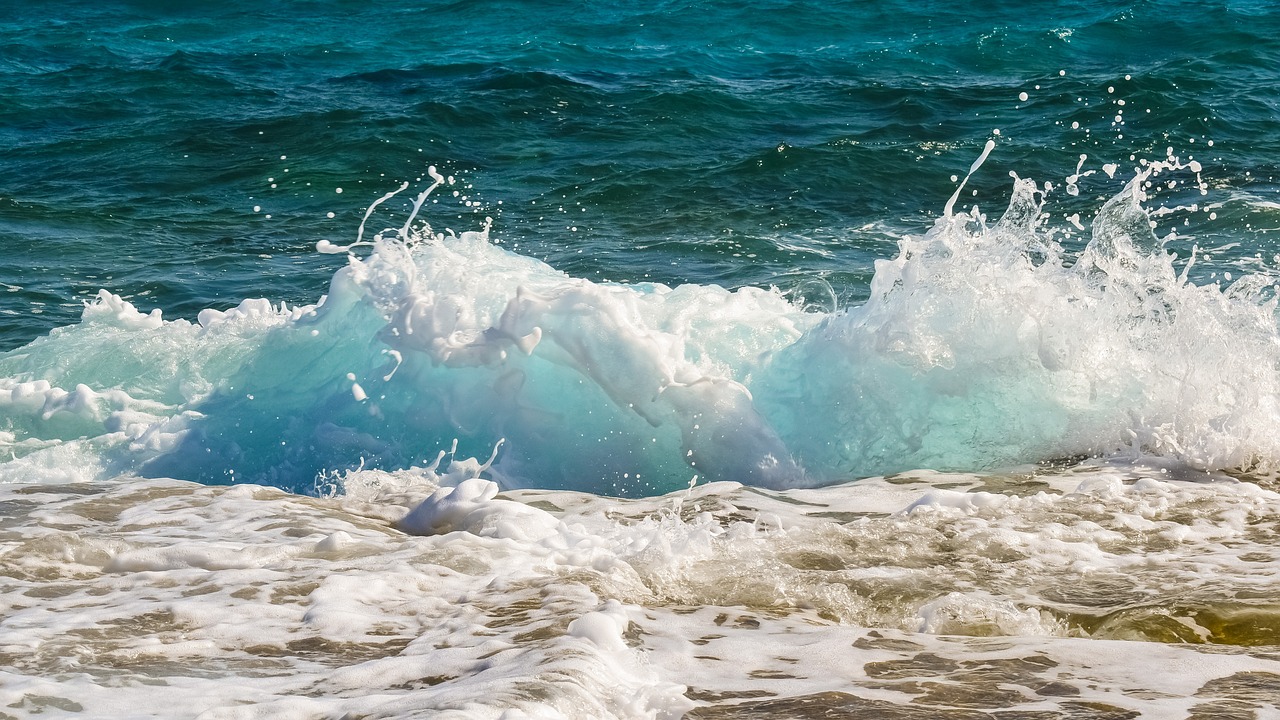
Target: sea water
714,360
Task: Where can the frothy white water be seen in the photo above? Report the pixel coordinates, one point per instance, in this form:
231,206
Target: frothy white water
982,345
988,344
890,597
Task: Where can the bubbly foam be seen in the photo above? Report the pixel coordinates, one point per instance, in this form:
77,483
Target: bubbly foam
889,597
982,345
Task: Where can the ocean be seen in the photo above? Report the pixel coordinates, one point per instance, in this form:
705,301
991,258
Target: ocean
701,360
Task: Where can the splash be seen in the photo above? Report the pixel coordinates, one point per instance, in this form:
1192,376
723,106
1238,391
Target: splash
982,345
987,344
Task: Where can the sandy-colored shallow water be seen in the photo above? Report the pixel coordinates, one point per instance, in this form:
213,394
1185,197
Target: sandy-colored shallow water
1089,592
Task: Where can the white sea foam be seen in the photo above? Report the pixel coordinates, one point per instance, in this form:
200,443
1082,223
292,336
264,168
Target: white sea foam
982,345
159,598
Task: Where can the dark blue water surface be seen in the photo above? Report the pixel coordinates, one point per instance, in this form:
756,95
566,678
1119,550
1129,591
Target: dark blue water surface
734,143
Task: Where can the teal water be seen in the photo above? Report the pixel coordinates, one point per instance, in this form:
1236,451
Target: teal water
679,138
188,159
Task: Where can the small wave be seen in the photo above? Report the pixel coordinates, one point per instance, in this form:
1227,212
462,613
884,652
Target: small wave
982,344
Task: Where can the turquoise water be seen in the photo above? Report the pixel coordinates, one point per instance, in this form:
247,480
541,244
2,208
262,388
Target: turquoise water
185,160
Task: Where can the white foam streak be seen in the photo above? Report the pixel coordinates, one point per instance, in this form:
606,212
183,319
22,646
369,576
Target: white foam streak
986,151
437,181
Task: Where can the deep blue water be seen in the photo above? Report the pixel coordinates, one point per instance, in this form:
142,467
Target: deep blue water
715,142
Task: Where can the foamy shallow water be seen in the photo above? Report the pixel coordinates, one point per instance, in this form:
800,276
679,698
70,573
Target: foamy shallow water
1094,591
